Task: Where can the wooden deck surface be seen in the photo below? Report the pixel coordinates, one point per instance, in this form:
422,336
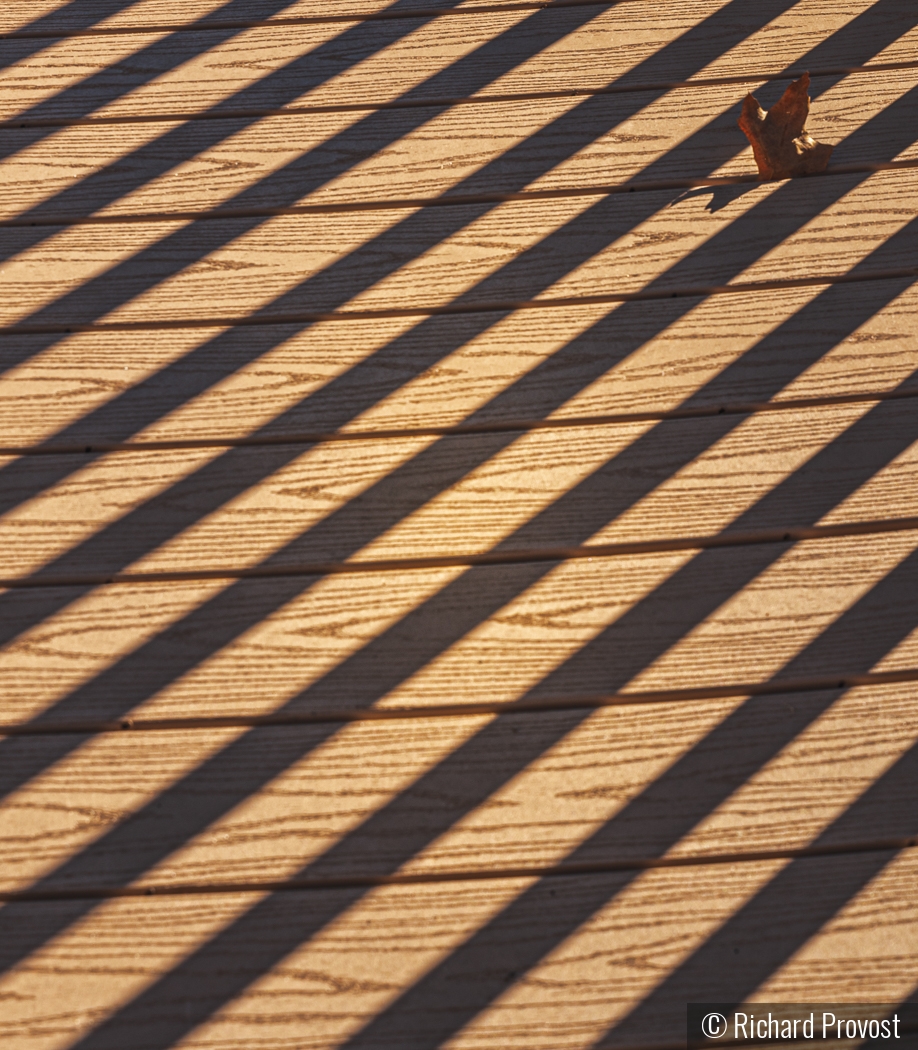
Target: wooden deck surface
458,528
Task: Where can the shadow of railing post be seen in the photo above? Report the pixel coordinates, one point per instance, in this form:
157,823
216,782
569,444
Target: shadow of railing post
441,1003
148,675
475,614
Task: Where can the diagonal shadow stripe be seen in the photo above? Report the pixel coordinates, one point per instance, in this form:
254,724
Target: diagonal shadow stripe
643,634
444,1001
117,691
77,10
718,970
167,514
177,383
168,379
853,44
857,633
301,176
19,477
112,685
180,648
172,50
867,33
164,516
496,57
83,17
79,15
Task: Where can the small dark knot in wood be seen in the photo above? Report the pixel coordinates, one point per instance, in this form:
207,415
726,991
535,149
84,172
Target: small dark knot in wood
782,146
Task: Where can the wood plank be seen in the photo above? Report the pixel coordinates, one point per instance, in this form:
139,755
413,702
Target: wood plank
556,963
368,63
373,62
330,964
184,384
200,807
192,510
451,636
309,159
471,255
65,16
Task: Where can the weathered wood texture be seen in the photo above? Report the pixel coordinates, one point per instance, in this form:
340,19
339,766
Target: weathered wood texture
473,256
374,62
435,795
480,635
542,965
382,374
507,147
188,510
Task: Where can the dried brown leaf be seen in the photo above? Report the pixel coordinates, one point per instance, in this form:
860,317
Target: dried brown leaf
782,146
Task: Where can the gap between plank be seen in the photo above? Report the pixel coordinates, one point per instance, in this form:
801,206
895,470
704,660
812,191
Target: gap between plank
522,556
488,875
498,306
319,437
460,100
207,25
699,694
445,200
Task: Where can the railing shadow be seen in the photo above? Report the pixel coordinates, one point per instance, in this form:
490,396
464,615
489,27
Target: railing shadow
136,405
295,180
620,653
717,967
173,49
154,665
726,254
150,525
376,510
439,1005
650,629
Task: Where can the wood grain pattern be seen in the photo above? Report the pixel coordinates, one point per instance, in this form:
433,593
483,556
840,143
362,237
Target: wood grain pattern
481,635
460,794
392,373
378,61
471,256
367,63
604,961
193,510
545,965
342,158
65,16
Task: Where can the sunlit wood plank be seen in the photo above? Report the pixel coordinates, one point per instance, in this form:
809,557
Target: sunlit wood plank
188,510
185,384
566,959
430,795
452,636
